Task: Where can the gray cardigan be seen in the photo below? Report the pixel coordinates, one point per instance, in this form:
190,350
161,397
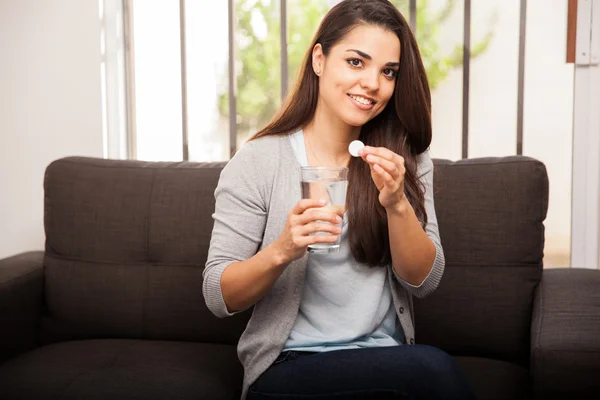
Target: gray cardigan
256,190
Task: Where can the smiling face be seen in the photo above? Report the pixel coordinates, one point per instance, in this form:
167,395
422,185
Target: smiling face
358,76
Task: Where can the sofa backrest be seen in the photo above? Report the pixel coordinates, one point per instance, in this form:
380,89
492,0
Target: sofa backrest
126,243
490,213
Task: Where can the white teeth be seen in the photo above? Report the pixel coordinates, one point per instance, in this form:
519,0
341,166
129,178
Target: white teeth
362,100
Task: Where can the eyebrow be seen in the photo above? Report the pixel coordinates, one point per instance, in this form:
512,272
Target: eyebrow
368,57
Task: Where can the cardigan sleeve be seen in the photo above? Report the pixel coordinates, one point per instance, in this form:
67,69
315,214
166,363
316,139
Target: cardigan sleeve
239,223
430,283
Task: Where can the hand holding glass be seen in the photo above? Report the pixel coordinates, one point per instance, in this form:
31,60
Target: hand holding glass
329,184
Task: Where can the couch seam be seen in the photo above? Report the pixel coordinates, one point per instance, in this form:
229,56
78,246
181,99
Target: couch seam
148,258
571,351
495,265
544,210
88,370
539,332
441,162
87,260
448,264
64,389
324,395
538,346
96,163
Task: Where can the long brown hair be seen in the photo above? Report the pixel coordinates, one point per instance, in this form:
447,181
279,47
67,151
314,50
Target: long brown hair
404,126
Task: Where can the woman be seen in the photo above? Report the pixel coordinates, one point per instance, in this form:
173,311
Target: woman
341,325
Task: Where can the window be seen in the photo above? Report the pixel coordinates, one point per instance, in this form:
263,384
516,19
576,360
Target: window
209,74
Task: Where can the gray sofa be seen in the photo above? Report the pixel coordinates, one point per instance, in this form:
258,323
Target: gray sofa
113,308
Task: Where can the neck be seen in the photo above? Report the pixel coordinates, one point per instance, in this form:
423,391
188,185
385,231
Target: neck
328,138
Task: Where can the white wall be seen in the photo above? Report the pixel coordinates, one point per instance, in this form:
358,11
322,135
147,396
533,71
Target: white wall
50,105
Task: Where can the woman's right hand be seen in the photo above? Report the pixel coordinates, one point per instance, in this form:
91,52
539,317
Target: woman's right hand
307,216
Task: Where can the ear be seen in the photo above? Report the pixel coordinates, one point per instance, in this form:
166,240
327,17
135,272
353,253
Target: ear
318,59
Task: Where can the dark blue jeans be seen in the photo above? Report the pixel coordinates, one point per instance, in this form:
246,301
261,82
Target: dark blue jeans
398,372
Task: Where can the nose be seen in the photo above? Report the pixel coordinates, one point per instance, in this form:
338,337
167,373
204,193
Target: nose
370,80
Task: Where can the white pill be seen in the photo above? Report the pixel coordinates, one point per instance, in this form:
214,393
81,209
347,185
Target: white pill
355,147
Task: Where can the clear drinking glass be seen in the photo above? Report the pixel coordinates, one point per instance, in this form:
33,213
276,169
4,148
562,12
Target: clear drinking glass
330,184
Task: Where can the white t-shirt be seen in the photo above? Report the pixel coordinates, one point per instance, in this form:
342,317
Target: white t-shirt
345,304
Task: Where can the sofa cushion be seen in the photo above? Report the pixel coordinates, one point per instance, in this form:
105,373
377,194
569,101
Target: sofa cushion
123,369
490,213
93,299
495,380
126,243
565,335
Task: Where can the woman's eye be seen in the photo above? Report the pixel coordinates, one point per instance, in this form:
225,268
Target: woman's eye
390,73
355,62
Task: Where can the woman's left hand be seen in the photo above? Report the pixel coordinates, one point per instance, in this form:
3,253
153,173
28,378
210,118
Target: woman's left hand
387,172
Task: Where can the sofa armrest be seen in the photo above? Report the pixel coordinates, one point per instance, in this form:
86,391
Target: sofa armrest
565,335
21,300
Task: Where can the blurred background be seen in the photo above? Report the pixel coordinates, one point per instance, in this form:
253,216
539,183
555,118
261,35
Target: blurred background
493,86
193,79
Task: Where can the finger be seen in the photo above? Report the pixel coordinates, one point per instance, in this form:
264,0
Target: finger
314,227
385,177
323,239
388,166
305,204
314,215
315,239
384,153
